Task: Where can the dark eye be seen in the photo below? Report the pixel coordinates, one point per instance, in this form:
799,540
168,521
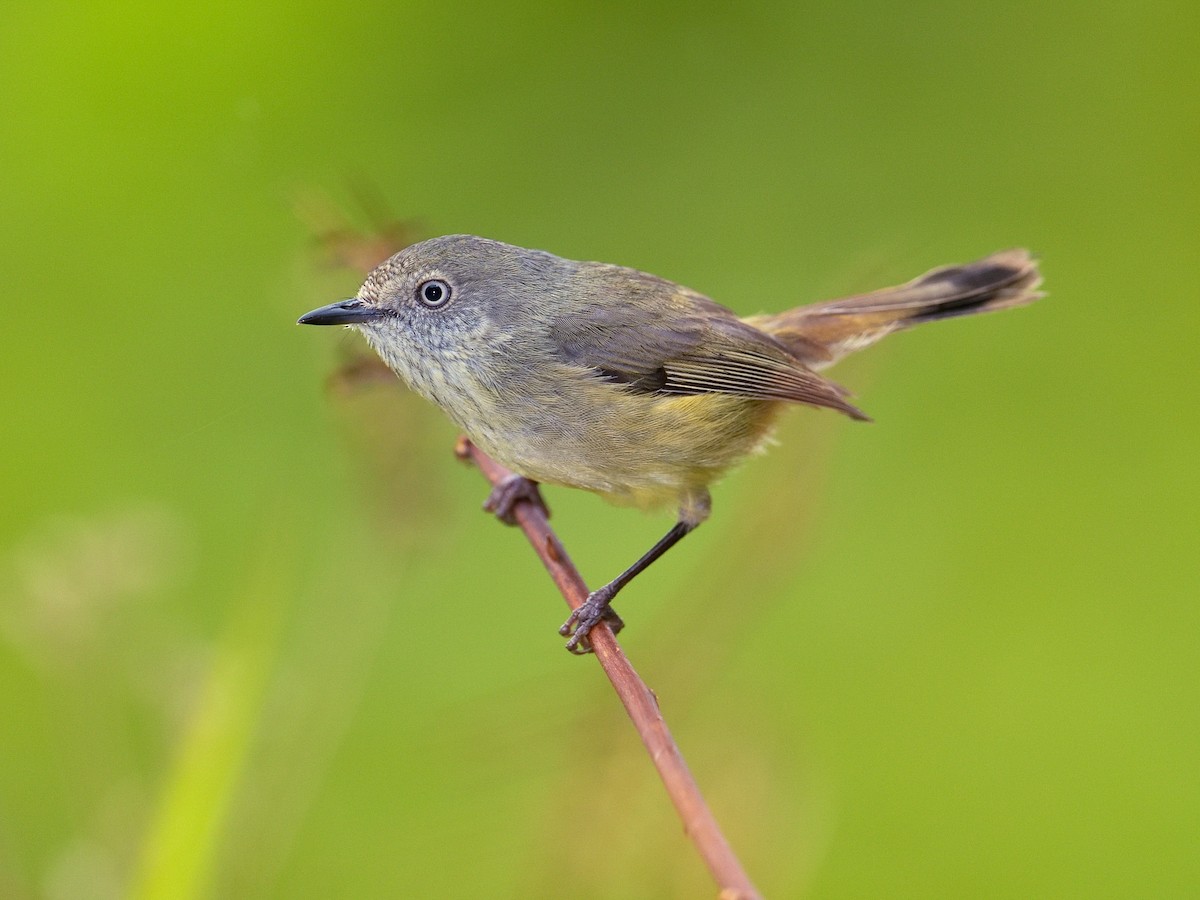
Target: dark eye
433,293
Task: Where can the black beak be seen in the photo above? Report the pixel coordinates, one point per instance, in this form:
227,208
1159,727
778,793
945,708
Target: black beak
344,312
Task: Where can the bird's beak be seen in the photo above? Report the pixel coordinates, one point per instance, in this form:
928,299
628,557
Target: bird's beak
344,312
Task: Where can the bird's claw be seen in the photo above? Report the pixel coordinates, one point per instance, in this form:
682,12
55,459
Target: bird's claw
583,619
508,493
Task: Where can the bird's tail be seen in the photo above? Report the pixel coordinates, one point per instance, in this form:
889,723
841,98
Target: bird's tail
823,333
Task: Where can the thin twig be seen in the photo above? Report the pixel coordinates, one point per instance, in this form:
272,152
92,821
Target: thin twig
639,701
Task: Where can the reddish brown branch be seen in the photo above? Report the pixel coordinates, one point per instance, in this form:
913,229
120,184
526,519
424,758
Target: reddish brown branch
639,701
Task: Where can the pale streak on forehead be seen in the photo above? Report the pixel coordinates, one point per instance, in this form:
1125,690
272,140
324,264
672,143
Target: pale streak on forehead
395,267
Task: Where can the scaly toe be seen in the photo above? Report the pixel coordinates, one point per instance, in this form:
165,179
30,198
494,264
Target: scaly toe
508,493
582,620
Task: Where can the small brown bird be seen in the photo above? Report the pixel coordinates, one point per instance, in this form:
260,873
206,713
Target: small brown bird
604,378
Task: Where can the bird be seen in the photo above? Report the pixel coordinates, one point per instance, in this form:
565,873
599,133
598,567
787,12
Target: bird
601,377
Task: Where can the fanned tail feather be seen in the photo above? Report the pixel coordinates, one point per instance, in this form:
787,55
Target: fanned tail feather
822,333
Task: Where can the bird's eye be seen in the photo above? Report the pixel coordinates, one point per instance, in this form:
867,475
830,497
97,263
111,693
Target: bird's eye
433,293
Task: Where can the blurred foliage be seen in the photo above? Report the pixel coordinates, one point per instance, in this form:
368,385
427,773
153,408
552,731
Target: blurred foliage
256,638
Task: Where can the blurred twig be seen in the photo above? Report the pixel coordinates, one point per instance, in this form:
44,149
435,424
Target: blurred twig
640,703
341,244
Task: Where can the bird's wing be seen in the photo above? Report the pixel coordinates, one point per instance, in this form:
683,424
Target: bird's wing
687,344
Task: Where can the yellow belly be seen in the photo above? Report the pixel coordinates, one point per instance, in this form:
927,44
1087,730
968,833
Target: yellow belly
644,450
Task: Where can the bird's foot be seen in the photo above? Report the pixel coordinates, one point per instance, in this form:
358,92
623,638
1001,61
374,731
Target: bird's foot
511,491
591,612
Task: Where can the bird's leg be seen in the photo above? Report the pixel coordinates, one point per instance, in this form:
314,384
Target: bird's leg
516,488
596,607
511,491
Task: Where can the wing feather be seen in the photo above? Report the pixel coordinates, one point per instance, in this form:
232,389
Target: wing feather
683,343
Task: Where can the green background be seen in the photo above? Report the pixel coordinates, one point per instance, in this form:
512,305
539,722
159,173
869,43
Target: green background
256,638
